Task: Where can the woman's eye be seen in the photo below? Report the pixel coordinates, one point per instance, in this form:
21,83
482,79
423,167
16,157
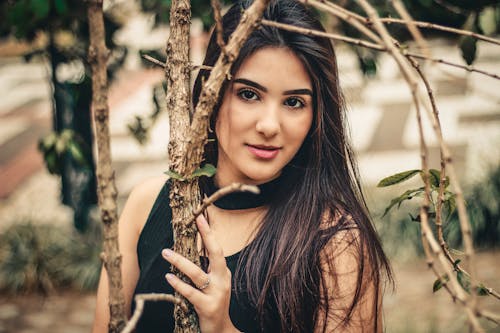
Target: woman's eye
248,95
294,103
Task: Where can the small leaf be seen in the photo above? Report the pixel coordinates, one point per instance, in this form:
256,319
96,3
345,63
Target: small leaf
397,178
455,264
207,170
61,145
463,280
482,290
408,195
174,175
47,142
77,154
439,283
434,177
468,48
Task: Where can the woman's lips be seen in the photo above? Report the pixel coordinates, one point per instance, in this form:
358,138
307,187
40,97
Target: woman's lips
264,152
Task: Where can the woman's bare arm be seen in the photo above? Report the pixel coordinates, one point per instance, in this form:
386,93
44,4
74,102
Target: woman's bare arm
132,220
341,270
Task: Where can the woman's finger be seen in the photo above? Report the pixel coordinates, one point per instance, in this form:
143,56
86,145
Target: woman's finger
195,273
193,295
215,253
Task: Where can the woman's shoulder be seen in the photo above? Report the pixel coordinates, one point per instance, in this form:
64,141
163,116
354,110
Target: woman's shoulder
141,200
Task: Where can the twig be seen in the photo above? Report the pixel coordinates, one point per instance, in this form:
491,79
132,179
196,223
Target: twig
442,61
234,187
139,307
218,23
428,25
163,65
408,21
344,15
311,32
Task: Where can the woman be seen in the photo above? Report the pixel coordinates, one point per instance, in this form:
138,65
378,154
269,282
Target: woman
302,256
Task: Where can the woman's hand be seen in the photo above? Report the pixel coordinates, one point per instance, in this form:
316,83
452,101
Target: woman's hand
213,293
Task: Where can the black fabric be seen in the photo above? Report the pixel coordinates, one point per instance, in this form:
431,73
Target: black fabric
156,235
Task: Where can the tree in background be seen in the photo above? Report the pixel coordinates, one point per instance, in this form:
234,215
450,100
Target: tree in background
68,150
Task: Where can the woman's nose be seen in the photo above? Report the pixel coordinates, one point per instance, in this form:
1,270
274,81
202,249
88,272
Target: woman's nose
268,123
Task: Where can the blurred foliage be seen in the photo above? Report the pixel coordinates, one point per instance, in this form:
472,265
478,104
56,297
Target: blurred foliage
55,146
44,258
64,25
402,237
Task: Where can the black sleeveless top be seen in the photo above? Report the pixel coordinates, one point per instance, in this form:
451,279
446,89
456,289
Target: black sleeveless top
157,235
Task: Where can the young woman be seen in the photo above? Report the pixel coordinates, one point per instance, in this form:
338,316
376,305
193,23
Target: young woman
302,256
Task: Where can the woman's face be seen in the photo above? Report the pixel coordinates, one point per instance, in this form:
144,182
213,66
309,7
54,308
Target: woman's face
265,115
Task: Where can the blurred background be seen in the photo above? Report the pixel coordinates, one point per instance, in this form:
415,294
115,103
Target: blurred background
49,225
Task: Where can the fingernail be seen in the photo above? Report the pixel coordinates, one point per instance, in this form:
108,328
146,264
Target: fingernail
167,253
170,276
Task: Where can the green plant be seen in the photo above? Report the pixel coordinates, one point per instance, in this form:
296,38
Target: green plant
43,258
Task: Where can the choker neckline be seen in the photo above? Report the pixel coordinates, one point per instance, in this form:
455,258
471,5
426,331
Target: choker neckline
244,200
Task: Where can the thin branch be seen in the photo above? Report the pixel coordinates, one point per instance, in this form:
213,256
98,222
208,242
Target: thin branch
449,63
216,6
140,299
428,25
163,65
311,32
234,187
345,15
417,35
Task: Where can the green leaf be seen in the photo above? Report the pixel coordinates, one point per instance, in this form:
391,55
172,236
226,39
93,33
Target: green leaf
61,7
61,145
408,195
434,177
468,49
207,170
40,8
46,143
174,175
455,264
397,178
439,283
463,280
76,152
482,290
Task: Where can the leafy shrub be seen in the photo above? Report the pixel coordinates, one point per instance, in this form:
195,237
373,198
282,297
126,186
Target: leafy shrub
44,258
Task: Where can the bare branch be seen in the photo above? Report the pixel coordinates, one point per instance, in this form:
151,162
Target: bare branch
428,25
234,187
140,299
449,63
163,65
218,23
417,35
344,15
311,32
97,56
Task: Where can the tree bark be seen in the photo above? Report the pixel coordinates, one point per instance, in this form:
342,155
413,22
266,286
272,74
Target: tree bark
187,139
107,193
184,195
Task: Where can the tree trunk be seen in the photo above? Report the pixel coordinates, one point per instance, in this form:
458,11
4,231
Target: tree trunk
98,56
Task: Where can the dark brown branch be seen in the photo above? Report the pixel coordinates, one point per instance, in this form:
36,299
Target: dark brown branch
163,65
107,193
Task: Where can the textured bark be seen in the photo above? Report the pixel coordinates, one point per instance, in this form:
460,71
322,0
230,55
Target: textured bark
98,56
187,140
183,195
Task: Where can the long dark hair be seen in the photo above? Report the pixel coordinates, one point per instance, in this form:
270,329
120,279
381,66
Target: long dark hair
321,180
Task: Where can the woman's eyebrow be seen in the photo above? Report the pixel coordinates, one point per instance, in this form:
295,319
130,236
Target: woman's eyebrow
298,92
250,83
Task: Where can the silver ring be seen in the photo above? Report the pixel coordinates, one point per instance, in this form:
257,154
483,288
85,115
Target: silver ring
205,284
